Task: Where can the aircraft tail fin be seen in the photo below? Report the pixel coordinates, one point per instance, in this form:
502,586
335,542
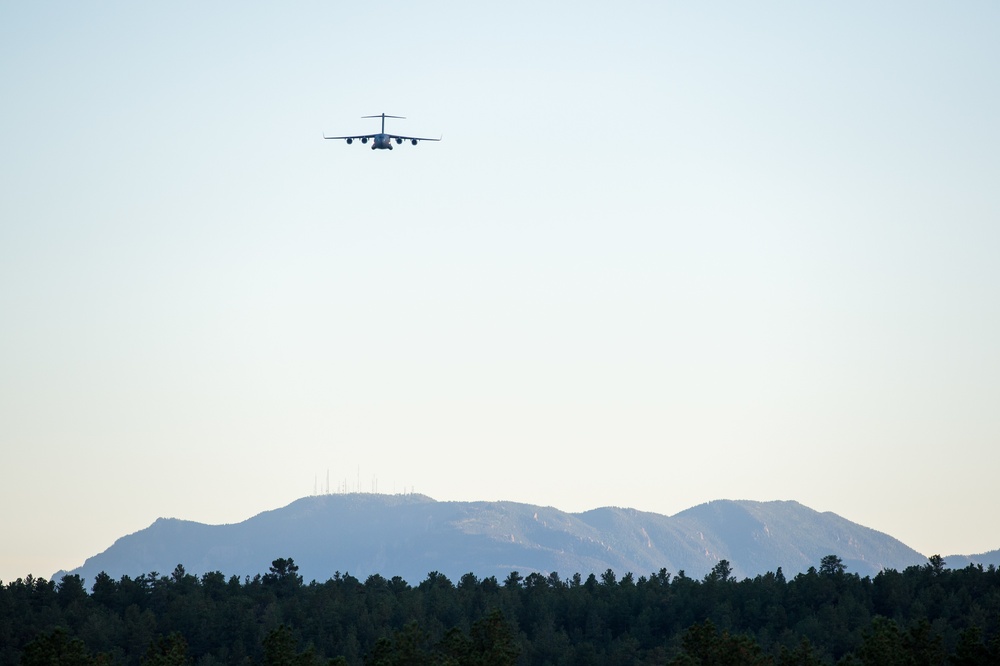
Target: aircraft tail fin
383,117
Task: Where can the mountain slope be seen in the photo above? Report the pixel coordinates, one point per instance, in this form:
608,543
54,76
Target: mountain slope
991,558
411,535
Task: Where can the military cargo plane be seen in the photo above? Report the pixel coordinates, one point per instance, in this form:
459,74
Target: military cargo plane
381,141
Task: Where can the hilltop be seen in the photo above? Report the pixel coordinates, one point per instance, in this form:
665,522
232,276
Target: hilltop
411,535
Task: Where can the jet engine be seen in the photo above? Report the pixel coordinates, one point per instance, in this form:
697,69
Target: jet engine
364,139
350,141
413,141
399,141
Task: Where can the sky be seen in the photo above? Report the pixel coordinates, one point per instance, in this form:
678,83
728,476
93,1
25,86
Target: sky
665,253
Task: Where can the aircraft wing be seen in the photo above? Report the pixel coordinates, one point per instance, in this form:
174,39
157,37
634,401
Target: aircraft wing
357,136
411,138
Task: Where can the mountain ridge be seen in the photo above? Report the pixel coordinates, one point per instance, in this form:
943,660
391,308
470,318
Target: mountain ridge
411,535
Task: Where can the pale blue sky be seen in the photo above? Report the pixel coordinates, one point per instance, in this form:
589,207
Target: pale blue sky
666,253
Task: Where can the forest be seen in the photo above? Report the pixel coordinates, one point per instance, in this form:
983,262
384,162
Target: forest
927,614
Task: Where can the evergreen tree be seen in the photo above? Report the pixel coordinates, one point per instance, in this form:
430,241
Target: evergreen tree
167,651
56,649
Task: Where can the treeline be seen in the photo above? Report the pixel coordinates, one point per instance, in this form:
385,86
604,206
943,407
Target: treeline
922,615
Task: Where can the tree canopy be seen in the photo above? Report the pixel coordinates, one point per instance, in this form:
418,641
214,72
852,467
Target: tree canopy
922,615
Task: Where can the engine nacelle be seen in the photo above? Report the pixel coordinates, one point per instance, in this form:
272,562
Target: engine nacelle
364,140
350,141
399,141
413,141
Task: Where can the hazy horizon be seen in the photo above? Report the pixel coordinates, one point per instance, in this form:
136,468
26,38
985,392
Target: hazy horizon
665,254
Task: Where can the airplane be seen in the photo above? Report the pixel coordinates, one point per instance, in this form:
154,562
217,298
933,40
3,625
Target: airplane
382,141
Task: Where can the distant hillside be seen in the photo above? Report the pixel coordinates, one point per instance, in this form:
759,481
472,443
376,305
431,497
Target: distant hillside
962,561
411,535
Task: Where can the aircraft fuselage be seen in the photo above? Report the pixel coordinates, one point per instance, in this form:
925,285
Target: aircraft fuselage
382,142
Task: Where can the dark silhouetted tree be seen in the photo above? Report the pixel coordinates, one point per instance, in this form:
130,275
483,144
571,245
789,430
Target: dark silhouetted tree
831,565
167,651
56,649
